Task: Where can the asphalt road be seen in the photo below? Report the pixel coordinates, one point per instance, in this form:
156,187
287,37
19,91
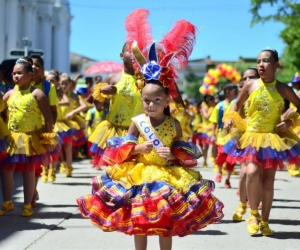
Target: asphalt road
57,223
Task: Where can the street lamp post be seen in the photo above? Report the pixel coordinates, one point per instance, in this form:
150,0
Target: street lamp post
26,43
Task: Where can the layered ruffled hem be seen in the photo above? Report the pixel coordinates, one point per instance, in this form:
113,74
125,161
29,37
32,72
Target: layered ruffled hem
98,138
65,132
268,150
26,150
151,208
79,138
204,138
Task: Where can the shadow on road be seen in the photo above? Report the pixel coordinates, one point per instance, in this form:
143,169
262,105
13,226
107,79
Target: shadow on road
285,200
286,207
286,222
209,232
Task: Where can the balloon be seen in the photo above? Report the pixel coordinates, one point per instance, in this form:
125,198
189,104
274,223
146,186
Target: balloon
212,89
202,90
207,80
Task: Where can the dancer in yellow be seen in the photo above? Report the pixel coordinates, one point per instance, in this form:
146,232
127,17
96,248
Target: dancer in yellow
71,114
32,141
149,189
267,141
207,127
294,169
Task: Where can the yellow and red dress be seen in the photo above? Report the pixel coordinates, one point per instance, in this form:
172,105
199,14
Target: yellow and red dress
124,104
206,129
4,134
76,122
27,148
64,128
261,143
147,195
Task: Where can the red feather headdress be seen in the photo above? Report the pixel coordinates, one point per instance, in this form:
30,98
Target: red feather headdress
170,53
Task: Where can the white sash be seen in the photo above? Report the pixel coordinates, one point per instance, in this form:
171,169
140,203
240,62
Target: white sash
146,129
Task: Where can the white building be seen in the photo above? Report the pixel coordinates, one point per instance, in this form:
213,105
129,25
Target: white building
46,23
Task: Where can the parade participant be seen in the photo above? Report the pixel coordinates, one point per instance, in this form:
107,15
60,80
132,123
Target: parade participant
249,75
49,90
267,141
207,126
61,127
70,113
231,92
32,140
152,164
294,169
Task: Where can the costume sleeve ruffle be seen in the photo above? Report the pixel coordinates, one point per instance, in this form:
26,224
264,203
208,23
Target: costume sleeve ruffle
238,121
97,95
49,139
118,149
186,154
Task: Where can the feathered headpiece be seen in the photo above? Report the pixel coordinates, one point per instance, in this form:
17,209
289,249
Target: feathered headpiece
163,58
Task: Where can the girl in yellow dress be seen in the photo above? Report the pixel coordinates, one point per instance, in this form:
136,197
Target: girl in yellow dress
207,127
70,113
149,188
267,141
294,169
31,142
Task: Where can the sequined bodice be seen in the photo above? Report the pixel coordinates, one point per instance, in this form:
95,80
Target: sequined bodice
166,132
265,108
67,109
24,113
126,103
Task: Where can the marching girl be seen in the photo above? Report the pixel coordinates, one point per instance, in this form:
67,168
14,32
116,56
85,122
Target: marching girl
31,141
64,131
149,188
70,113
267,141
207,127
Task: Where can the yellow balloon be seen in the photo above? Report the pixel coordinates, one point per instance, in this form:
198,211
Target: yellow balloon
202,90
212,89
207,80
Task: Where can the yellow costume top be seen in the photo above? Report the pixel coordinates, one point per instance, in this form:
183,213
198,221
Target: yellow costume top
26,127
125,103
94,117
214,118
53,100
265,108
24,113
151,167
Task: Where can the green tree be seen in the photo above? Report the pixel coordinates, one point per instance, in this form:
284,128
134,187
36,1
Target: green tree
192,89
286,12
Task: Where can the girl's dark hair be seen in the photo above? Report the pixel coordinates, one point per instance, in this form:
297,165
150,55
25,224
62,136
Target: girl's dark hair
55,73
39,58
254,69
208,98
166,91
27,62
273,52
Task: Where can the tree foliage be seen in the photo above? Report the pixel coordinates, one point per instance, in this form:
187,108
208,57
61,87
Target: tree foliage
192,89
286,12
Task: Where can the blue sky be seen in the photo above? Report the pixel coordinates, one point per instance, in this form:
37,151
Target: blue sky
97,28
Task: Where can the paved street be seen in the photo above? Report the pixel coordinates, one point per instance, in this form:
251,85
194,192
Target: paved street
57,224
